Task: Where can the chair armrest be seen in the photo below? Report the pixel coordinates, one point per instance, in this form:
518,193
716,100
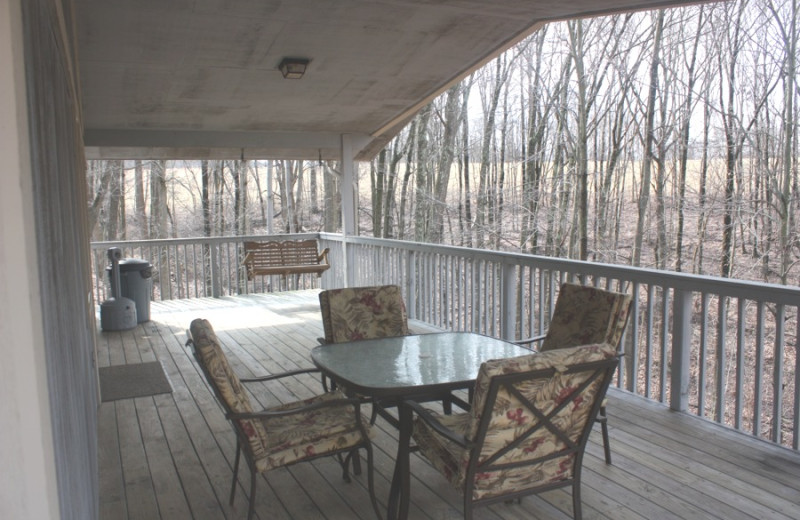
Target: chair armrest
279,376
247,258
264,414
527,341
323,256
431,421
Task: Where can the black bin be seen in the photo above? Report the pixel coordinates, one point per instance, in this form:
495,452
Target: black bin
136,283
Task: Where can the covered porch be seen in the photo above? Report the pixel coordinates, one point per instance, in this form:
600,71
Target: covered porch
171,455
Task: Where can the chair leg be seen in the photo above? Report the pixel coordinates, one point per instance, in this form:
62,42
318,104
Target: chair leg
577,512
447,406
356,463
374,416
371,482
603,420
235,471
252,504
344,462
467,507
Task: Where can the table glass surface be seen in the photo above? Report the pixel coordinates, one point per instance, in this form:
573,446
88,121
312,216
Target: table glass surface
387,365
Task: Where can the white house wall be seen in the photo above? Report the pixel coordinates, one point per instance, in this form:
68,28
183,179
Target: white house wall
48,377
28,479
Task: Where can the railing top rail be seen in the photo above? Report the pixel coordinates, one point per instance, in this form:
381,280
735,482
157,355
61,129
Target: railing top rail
201,240
734,288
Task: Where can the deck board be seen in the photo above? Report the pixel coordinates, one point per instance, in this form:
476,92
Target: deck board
171,455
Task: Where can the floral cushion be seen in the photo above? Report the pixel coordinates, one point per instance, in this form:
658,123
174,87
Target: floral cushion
209,352
363,313
277,441
291,438
584,315
510,419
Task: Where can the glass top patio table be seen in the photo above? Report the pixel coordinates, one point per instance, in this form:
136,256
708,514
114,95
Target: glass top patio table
406,367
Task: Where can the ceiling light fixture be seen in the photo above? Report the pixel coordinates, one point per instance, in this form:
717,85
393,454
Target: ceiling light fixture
293,68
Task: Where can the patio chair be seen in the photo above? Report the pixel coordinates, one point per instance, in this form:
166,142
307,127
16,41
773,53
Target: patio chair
362,313
357,313
583,315
527,430
323,425
370,312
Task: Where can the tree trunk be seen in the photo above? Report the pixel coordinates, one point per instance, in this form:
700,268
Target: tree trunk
451,122
115,200
139,209
422,178
466,237
644,193
159,222
484,188
581,139
686,116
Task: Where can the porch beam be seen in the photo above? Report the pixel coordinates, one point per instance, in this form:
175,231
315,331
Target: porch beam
208,144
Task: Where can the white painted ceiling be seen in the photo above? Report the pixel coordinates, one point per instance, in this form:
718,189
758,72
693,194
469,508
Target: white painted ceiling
199,78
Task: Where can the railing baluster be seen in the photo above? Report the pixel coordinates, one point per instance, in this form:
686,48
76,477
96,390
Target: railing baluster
777,379
796,407
633,352
702,366
722,333
664,342
759,369
740,347
648,370
509,319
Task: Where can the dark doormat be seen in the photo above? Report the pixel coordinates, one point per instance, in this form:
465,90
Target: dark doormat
138,380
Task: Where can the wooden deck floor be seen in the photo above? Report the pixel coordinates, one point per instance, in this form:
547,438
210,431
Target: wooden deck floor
170,456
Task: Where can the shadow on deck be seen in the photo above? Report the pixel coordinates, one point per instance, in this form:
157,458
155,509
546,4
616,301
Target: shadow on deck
170,456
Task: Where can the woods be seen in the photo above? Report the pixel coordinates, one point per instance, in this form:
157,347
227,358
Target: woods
663,139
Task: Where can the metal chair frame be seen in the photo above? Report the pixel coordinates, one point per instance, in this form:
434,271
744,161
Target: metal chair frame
603,370
625,300
243,444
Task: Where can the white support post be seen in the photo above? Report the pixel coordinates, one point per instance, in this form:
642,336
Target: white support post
681,349
349,210
508,315
411,285
287,186
216,281
270,203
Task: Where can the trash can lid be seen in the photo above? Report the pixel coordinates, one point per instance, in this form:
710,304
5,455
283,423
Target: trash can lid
133,264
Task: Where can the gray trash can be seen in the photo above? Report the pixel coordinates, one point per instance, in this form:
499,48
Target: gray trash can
136,283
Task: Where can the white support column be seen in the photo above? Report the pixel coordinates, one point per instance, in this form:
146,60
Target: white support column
681,349
287,186
508,314
270,203
411,285
349,209
349,199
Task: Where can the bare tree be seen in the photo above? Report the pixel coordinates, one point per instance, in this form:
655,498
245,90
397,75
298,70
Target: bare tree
686,120
788,36
649,139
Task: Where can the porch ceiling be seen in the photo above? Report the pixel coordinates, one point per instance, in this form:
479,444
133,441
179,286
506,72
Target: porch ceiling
199,78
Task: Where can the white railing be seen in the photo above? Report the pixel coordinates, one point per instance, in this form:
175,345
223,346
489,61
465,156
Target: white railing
197,267
724,350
